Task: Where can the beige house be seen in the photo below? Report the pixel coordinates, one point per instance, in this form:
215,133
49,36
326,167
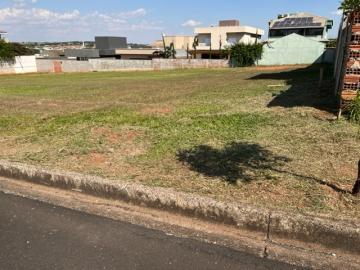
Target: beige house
2,34
214,38
181,42
157,44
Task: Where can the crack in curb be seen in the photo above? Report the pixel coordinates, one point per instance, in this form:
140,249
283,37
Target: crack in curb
267,240
268,227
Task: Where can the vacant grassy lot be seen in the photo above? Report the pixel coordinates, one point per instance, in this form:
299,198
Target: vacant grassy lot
263,137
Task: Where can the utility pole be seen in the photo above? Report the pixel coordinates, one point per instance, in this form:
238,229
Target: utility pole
220,46
356,189
163,39
210,50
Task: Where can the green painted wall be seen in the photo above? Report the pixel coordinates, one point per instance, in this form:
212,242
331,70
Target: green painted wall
292,50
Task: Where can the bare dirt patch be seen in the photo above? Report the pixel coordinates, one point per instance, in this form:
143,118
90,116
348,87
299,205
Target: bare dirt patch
157,110
111,136
97,159
114,137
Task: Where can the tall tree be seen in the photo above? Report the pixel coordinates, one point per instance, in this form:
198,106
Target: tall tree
350,5
195,45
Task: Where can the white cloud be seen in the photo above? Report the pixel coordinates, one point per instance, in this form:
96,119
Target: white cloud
338,12
191,23
23,3
27,22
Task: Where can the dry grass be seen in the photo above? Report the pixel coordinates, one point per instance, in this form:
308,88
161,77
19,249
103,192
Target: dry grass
263,136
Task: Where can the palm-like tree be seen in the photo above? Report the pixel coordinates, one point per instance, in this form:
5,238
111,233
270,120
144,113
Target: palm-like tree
195,44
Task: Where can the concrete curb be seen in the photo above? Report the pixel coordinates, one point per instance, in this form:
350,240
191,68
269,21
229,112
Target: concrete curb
338,234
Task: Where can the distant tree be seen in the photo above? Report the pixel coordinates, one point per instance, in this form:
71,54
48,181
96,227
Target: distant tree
20,49
139,46
350,5
7,53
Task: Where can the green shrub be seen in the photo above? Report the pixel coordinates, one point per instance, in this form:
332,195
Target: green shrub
170,51
355,110
244,55
350,5
332,43
7,53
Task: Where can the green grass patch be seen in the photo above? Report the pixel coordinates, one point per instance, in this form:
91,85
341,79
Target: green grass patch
264,137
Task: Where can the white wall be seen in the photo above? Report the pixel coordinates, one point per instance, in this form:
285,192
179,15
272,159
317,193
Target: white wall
22,64
25,64
48,66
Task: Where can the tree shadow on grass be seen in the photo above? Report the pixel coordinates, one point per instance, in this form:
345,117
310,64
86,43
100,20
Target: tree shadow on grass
304,89
236,161
241,162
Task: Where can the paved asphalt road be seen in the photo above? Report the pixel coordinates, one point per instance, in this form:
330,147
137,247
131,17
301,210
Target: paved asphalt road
37,236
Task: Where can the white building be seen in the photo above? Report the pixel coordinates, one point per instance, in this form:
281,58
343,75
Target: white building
2,34
303,24
229,32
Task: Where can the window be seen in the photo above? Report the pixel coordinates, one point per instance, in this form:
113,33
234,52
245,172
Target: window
296,31
314,31
204,40
277,33
233,38
301,31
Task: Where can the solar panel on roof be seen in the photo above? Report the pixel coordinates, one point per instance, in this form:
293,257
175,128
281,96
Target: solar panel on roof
297,22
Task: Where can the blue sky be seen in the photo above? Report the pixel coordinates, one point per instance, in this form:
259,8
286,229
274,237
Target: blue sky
141,21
